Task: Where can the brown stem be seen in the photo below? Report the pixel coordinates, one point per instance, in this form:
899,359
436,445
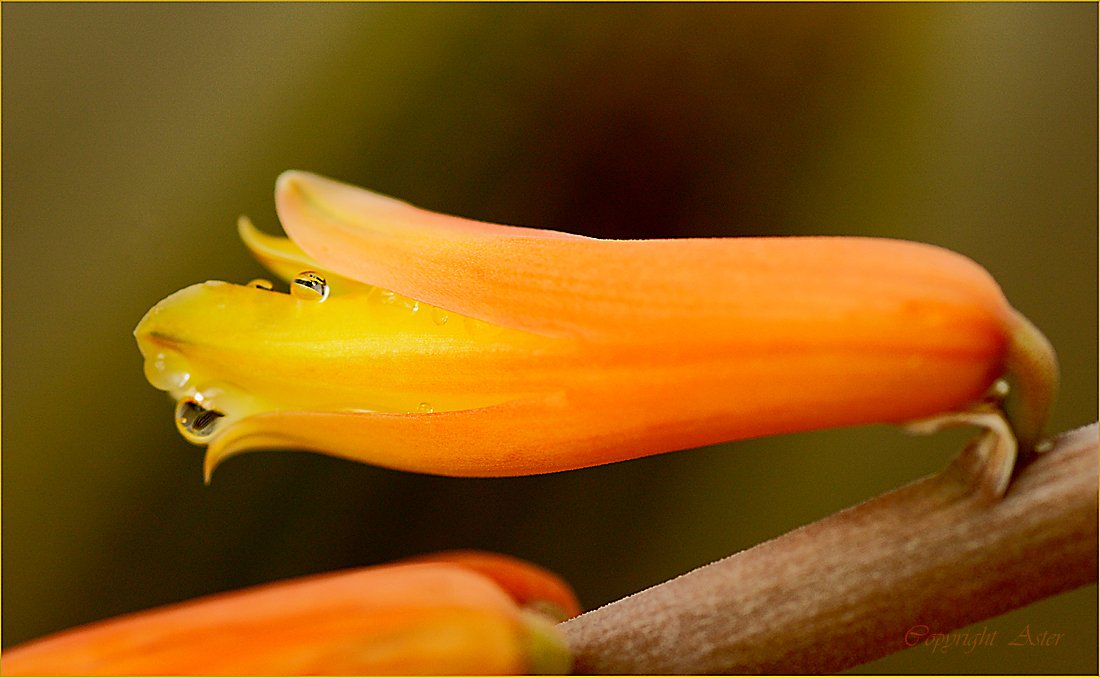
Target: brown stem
847,589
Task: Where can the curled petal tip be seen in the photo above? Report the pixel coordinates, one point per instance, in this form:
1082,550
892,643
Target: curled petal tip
289,181
334,197
246,435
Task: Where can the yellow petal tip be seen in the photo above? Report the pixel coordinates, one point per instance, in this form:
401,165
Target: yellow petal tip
209,463
215,455
245,228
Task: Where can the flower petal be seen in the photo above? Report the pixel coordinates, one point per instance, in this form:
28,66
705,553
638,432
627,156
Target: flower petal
631,410
529,585
637,290
286,259
241,351
420,618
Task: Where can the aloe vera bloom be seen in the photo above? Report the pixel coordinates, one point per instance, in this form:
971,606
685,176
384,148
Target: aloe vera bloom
431,343
447,614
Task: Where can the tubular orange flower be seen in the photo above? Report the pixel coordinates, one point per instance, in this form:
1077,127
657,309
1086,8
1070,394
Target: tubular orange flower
440,617
497,350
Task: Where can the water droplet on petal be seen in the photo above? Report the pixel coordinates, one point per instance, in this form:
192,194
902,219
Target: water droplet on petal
439,316
309,286
425,408
412,305
167,371
260,283
195,422
386,296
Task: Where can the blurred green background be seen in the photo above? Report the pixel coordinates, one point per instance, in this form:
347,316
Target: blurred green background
134,135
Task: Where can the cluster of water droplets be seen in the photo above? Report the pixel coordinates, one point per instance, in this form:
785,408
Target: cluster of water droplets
438,316
168,371
197,418
309,286
201,412
312,287
203,409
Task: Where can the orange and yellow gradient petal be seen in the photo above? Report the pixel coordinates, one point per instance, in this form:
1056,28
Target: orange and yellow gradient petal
456,347
441,616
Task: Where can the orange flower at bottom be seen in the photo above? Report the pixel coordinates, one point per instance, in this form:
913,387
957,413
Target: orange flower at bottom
424,617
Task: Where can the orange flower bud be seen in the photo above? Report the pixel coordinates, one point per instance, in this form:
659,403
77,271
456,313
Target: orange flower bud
495,350
415,618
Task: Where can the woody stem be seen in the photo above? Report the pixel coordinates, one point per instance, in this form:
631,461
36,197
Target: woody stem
847,589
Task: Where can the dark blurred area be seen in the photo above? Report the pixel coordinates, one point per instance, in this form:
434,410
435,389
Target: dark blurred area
135,134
